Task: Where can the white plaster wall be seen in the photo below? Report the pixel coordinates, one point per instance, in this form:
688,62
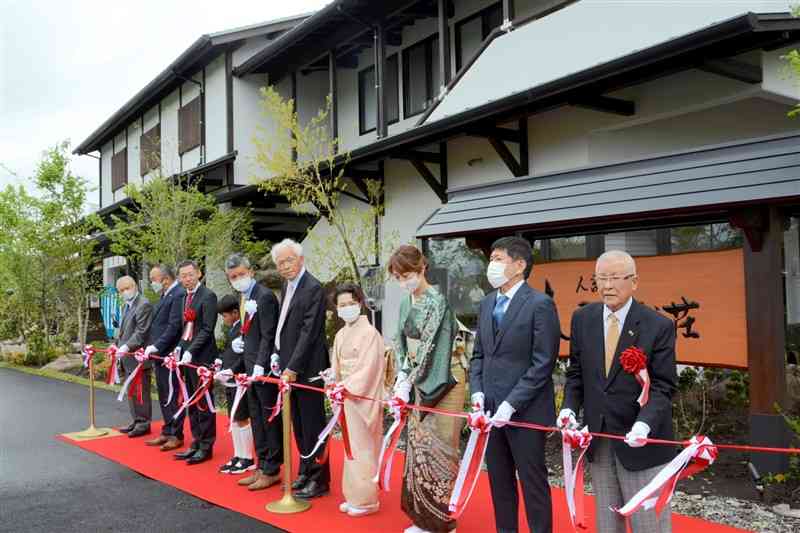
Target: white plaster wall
312,90
105,162
777,78
133,142
247,118
170,160
216,110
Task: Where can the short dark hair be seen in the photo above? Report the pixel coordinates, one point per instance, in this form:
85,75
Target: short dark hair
348,288
165,270
188,262
227,304
517,248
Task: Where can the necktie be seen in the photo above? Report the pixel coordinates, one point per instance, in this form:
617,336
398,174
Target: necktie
241,308
284,309
189,297
612,338
499,310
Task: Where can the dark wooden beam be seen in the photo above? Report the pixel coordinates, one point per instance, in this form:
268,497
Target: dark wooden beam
382,128
418,155
430,179
733,69
293,80
444,43
606,104
508,10
504,134
507,157
333,91
524,156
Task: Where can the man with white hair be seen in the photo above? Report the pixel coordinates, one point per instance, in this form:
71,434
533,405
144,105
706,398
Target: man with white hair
302,353
609,394
137,314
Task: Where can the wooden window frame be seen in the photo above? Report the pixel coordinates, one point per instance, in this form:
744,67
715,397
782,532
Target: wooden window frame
119,174
485,30
186,144
147,146
430,91
362,97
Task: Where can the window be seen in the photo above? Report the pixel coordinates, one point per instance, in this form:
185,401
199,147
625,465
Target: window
367,99
189,126
459,272
472,31
119,169
706,237
420,76
150,150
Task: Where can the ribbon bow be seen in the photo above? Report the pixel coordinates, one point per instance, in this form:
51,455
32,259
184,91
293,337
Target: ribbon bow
336,394
283,387
572,439
400,411
469,470
88,354
696,457
171,363
113,371
242,383
133,385
634,361
203,391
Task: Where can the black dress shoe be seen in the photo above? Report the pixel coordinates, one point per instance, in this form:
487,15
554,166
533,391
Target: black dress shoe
128,429
139,432
200,456
313,489
300,482
185,454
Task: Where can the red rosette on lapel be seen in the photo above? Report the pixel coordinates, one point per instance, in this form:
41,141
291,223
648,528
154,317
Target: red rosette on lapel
189,316
250,308
634,362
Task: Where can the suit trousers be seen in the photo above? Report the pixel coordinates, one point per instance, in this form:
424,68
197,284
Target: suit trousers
142,413
308,421
516,451
202,421
614,486
171,427
267,436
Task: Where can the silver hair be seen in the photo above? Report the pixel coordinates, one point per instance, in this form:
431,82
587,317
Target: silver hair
295,246
130,280
166,270
618,255
237,260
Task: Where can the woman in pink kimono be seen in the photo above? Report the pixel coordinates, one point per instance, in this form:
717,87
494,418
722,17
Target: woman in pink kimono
358,363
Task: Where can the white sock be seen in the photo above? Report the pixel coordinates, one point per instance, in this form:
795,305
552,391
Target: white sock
237,441
246,440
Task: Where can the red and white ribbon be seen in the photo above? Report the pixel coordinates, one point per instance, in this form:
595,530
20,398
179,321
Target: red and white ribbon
572,439
336,395
399,410
172,364
250,308
203,390
133,386
242,384
283,387
696,457
88,354
113,371
469,471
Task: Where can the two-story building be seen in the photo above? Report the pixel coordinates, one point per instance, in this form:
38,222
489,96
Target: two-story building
659,128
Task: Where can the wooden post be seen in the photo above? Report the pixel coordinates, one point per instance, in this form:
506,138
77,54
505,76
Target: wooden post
332,88
382,128
444,46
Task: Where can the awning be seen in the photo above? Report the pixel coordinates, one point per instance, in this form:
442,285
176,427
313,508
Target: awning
587,35
759,170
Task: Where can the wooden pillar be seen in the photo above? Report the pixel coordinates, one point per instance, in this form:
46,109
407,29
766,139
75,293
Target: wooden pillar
332,88
294,102
508,10
380,60
444,45
766,333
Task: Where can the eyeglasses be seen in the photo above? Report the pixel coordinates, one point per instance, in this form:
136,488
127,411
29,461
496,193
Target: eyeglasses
612,280
286,262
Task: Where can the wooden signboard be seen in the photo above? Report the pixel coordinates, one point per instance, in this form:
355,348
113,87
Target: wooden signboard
703,292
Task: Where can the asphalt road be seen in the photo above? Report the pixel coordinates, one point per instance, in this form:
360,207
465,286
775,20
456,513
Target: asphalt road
47,485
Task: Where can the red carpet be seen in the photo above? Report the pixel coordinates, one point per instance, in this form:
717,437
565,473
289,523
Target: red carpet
205,483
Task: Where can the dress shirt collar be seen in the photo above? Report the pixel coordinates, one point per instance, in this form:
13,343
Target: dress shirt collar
296,280
512,291
622,313
169,289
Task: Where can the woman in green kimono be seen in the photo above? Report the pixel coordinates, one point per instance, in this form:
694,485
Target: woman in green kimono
426,366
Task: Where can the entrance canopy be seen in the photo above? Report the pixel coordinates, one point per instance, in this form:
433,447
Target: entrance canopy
703,179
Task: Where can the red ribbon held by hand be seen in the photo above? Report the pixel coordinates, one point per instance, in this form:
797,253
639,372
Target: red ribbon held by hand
634,361
400,412
203,390
113,371
336,394
133,384
572,439
470,469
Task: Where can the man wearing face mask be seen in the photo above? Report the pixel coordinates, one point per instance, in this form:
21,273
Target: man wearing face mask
258,312
136,317
511,376
165,332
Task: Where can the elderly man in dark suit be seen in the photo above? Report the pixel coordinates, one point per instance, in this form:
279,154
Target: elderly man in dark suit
137,314
258,305
511,375
595,381
198,346
303,354
165,332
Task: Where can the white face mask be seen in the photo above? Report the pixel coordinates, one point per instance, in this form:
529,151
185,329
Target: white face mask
496,274
242,284
350,313
129,295
411,284
156,286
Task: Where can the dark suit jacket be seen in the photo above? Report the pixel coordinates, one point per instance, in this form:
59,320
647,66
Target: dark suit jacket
165,331
303,346
259,342
135,326
516,365
203,345
610,405
230,359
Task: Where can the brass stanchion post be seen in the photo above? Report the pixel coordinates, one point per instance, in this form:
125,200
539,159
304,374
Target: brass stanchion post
91,432
288,504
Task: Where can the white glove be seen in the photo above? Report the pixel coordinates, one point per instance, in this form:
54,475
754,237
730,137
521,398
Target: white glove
503,414
237,345
477,401
224,375
328,376
402,388
637,435
150,349
186,358
275,365
258,371
123,349
566,419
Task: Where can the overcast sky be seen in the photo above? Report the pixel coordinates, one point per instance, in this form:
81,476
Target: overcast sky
68,65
